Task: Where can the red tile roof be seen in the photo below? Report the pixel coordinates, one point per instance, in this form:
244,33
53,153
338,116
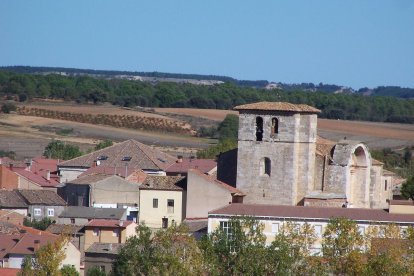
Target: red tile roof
114,223
278,106
38,179
26,244
170,183
319,213
109,171
9,271
203,165
212,180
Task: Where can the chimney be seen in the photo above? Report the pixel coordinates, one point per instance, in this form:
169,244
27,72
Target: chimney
48,175
36,245
180,159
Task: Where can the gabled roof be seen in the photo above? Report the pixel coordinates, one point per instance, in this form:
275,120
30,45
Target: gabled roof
42,197
182,166
316,213
231,189
278,106
58,229
171,183
26,244
90,179
39,179
142,157
11,199
92,213
121,171
104,248
110,223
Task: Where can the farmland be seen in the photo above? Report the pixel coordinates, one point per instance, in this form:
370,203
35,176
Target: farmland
170,129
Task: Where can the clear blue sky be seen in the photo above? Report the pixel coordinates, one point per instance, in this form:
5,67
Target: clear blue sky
354,43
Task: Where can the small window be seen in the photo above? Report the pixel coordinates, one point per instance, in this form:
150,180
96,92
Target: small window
259,128
126,158
155,203
265,166
96,231
275,228
37,212
318,230
226,227
386,185
72,221
275,126
50,212
164,222
361,230
170,206
115,233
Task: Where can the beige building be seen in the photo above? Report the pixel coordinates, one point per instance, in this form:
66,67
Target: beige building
273,217
281,160
205,193
162,201
108,231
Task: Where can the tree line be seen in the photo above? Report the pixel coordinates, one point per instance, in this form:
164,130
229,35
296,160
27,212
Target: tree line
221,96
240,248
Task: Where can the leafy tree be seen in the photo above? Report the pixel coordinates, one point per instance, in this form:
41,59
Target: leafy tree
342,245
38,224
68,270
213,151
228,128
59,150
96,271
407,188
104,144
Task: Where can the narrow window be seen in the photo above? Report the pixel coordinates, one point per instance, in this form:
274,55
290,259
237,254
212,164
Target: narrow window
275,228
155,203
115,233
265,166
96,231
318,230
275,126
164,222
259,128
50,212
386,184
72,220
170,206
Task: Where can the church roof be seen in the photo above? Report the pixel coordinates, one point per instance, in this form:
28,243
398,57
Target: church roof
323,146
278,106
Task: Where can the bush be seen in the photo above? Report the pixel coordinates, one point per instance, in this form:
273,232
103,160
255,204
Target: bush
8,107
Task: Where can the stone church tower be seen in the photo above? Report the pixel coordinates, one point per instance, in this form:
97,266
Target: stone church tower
276,152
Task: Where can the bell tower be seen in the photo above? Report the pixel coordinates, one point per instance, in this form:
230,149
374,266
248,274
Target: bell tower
276,151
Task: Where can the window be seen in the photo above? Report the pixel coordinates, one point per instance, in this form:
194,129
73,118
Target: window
275,126
225,226
155,203
37,212
259,128
318,230
275,228
95,231
164,222
50,212
361,230
72,220
265,166
386,185
115,233
170,206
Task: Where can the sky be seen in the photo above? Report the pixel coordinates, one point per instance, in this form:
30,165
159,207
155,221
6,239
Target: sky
355,43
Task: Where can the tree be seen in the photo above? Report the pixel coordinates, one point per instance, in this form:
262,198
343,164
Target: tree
104,144
213,151
68,270
95,271
38,224
59,150
228,128
8,107
47,259
407,188
342,245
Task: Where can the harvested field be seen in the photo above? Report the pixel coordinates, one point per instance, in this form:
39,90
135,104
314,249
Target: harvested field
211,114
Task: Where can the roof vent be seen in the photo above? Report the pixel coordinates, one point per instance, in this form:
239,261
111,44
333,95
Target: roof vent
162,160
102,157
126,158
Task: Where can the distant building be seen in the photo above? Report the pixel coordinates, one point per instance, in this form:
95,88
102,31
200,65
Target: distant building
78,215
183,165
102,255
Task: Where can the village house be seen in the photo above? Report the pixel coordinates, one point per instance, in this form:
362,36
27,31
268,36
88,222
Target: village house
108,231
43,203
162,201
126,156
13,201
273,217
183,165
102,255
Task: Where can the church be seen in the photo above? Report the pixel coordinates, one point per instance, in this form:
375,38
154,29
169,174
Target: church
281,160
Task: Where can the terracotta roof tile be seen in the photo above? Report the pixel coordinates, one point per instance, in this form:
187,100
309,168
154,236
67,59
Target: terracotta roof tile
113,223
26,244
142,157
323,146
278,106
301,212
11,199
109,171
42,197
38,179
9,271
203,165
58,229
174,183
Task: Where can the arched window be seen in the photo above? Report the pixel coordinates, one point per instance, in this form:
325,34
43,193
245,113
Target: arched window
259,128
265,166
275,126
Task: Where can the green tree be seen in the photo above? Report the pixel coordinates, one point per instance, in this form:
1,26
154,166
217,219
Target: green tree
38,224
407,188
59,150
213,151
342,245
68,270
96,271
228,128
104,144
8,107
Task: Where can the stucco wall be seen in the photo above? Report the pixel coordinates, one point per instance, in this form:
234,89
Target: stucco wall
114,190
204,196
68,174
73,256
152,217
